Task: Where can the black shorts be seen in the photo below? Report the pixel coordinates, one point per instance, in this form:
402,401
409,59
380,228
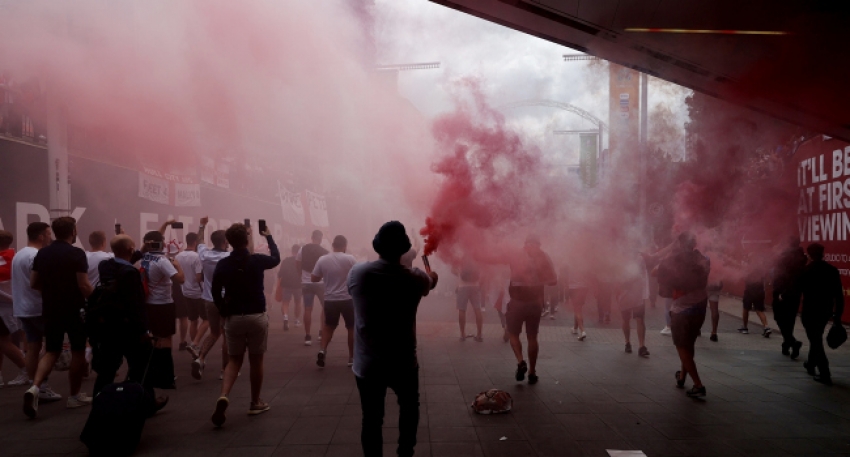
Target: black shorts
181,308
686,326
335,308
521,312
638,312
754,302
196,308
55,329
161,320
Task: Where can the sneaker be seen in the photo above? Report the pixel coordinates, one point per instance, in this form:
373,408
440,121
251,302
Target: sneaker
825,380
795,350
696,392
258,408
218,416
320,359
521,369
31,402
574,331
197,369
545,313
713,337
350,362
75,401
286,325
193,350
643,352
297,323
21,380
532,378
766,333
666,331
582,336
307,340
552,317
183,345
628,348
47,394
319,338
744,330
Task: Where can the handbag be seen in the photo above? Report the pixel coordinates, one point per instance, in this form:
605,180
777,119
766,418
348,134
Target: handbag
837,335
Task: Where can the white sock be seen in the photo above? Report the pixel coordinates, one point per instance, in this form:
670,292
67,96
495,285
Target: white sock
285,317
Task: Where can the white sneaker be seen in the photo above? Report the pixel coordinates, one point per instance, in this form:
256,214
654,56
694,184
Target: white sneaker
551,317
298,322
197,368
21,380
582,336
47,394
75,401
666,331
574,331
31,402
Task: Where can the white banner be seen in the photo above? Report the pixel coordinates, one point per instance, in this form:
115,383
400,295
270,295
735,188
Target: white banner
290,204
153,189
318,209
187,194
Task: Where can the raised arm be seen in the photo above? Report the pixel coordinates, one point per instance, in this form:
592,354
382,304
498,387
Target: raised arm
201,228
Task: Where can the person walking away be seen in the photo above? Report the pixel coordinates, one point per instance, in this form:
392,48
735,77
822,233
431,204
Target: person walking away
60,272
333,269
97,242
209,261
577,289
192,291
160,273
305,261
9,324
631,297
754,296
27,303
469,292
239,295
786,294
288,288
386,298
713,291
685,272
116,321
531,270
823,300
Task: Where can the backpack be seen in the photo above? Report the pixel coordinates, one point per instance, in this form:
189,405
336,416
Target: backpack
104,306
235,286
493,401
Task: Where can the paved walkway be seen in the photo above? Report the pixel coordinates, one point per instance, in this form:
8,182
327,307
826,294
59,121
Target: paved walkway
591,397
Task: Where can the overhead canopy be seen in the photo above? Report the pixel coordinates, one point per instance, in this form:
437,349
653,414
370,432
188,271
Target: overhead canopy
801,73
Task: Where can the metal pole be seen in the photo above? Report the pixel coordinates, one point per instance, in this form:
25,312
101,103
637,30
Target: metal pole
644,83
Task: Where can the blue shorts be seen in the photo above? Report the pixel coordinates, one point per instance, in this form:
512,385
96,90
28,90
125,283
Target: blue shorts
311,291
468,294
33,328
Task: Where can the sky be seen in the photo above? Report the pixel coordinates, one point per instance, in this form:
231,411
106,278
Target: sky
511,65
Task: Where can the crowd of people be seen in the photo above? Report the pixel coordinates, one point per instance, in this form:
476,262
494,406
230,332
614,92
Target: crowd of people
129,304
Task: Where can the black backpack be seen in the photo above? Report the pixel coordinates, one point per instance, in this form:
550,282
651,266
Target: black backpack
104,306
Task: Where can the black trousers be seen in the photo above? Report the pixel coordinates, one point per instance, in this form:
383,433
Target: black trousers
108,354
817,355
373,393
785,315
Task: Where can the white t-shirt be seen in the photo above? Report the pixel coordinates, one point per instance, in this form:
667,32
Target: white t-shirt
190,262
25,299
94,259
333,268
209,259
159,270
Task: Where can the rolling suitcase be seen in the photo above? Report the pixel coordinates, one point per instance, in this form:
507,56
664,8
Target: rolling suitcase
117,417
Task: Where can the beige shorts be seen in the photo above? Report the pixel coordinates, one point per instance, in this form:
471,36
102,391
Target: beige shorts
212,314
249,331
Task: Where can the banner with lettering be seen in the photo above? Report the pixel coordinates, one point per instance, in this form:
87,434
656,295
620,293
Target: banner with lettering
290,204
318,209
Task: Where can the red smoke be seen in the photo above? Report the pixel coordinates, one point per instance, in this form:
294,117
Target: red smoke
488,178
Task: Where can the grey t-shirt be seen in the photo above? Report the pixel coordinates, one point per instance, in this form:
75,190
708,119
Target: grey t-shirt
386,298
